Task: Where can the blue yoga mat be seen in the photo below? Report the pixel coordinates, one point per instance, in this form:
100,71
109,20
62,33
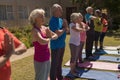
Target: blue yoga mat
105,58
94,74
104,52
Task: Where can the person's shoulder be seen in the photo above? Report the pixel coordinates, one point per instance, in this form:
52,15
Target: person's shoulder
83,23
72,24
87,14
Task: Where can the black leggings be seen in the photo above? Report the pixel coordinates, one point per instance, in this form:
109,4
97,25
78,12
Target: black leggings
56,64
102,35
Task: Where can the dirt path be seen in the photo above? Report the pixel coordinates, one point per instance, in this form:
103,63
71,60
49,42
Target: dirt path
29,52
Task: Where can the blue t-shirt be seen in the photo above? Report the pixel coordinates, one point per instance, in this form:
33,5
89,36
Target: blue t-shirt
89,21
56,24
87,17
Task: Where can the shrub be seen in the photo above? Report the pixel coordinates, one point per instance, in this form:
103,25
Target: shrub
23,34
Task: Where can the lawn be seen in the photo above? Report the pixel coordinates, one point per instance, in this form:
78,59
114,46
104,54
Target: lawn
24,70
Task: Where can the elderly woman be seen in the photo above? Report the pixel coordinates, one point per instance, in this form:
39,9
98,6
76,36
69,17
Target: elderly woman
59,26
9,45
41,36
90,34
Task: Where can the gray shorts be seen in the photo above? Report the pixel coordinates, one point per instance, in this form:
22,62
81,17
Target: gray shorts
41,70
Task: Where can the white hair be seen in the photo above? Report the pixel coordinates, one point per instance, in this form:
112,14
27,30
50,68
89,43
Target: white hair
74,16
88,8
55,7
34,14
80,15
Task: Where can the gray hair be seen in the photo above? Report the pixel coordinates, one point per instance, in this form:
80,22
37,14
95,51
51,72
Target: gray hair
74,16
55,7
80,15
88,8
34,14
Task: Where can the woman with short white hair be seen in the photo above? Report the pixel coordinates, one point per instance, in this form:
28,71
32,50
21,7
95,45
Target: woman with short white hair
90,34
41,36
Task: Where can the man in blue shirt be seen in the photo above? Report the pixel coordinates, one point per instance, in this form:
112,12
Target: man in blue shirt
59,26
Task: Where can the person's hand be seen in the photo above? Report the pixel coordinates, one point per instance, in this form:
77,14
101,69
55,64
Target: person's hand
65,24
8,45
48,33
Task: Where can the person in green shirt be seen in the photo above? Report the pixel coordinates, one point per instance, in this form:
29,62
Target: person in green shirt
98,28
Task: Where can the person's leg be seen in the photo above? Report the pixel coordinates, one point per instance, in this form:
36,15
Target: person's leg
97,36
59,63
53,68
102,35
47,68
89,43
41,72
80,51
74,58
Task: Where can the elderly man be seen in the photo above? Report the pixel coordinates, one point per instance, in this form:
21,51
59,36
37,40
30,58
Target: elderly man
59,26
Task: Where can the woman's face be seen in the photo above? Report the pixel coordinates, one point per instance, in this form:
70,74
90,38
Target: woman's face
91,11
80,19
40,19
59,12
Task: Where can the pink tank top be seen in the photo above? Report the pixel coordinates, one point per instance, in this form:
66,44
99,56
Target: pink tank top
42,52
83,34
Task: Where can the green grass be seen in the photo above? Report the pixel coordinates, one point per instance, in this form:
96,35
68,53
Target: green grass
24,69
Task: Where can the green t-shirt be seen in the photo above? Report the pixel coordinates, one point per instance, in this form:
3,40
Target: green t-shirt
98,25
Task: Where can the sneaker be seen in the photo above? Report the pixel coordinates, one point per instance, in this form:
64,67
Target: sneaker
70,75
91,58
97,50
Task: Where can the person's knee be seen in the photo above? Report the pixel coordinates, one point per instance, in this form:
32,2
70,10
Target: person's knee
73,60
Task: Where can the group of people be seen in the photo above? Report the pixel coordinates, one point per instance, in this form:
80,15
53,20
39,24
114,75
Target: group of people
81,32
93,30
41,36
49,63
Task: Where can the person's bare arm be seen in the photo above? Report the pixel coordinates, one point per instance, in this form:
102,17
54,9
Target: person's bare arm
37,37
8,49
92,17
78,29
3,59
20,49
60,32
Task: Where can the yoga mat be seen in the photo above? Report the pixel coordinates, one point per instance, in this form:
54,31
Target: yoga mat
104,58
111,47
104,52
94,74
98,65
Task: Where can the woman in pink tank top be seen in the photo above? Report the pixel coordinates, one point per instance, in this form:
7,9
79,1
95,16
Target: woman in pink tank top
41,36
83,36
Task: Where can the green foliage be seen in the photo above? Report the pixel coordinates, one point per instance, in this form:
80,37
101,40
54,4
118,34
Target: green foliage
23,34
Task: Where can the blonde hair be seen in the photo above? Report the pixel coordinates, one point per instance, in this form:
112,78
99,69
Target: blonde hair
88,8
34,14
74,16
80,15
55,7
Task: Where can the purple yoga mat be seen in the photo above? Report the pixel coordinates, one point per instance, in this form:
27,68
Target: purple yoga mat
98,65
